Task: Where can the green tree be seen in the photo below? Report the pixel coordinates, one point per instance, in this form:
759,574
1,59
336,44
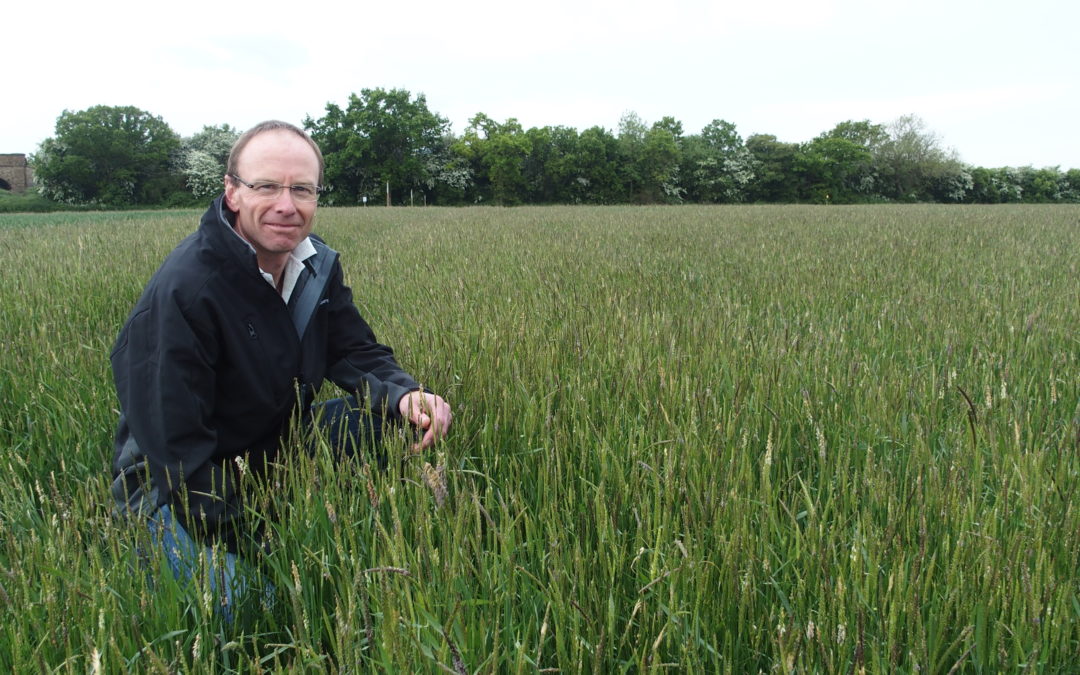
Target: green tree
833,170
470,150
660,164
113,156
1042,186
650,158
505,154
380,138
497,154
716,166
1072,186
549,170
995,186
632,130
863,133
849,148
595,167
722,136
774,180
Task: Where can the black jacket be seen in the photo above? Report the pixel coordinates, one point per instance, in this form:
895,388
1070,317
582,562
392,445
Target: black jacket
209,365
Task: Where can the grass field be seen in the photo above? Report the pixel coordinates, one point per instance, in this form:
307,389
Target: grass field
715,439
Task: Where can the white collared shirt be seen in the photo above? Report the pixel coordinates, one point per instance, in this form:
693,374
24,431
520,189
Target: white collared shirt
293,267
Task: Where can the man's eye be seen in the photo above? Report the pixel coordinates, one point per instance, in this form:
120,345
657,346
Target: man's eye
304,190
266,188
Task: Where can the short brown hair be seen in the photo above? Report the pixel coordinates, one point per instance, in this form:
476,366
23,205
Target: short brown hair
262,127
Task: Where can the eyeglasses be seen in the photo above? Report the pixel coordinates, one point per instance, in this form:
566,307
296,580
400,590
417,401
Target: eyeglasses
265,189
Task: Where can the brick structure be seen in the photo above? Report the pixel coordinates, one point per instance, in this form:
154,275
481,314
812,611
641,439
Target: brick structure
15,174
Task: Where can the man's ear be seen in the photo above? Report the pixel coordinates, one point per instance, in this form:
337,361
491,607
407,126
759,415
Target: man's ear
230,193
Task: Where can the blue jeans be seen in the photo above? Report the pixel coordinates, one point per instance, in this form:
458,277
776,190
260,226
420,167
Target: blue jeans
228,577
347,429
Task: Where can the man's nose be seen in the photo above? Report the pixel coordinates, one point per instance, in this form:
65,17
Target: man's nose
285,200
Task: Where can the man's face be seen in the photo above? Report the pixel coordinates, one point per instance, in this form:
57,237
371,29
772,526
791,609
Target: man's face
273,226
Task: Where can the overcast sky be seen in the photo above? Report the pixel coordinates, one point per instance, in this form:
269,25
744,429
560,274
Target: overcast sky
998,82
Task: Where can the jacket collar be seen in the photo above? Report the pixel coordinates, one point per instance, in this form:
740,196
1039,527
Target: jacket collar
218,224
218,228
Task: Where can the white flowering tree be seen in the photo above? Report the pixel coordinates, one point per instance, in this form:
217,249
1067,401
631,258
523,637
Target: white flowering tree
716,165
202,159
911,160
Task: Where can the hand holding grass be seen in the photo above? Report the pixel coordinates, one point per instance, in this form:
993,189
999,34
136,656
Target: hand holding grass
430,413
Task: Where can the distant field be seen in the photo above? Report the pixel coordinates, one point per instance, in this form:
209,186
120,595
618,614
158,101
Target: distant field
704,439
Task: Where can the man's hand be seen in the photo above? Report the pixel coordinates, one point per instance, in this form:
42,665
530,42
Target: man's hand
428,412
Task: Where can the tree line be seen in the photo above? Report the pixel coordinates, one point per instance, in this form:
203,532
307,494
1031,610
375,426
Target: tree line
387,146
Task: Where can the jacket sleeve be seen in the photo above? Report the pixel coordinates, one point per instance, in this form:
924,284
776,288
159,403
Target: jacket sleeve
358,363
165,382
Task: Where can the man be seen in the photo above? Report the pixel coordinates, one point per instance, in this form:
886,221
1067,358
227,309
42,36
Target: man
232,338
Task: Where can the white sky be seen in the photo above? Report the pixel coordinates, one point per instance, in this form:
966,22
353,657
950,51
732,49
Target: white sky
997,81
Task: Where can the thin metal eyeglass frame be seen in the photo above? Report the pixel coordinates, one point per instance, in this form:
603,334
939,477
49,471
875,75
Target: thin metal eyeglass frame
280,187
